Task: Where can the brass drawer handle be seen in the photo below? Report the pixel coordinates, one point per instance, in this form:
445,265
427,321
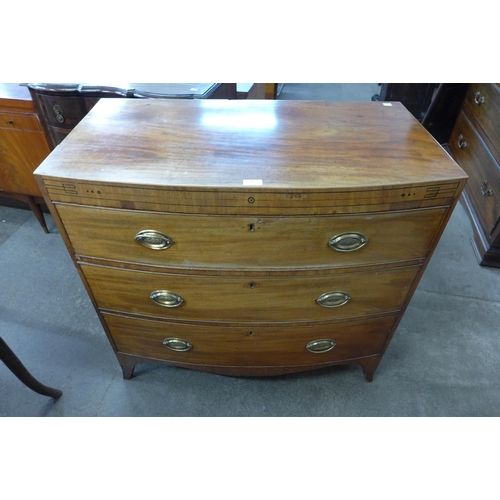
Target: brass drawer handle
165,298
461,143
58,112
10,122
333,299
154,240
484,191
321,345
179,345
478,99
348,242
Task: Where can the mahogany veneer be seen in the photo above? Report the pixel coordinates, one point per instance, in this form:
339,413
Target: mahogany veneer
475,144
250,237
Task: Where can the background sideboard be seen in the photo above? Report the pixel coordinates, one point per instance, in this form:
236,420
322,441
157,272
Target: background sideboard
22,148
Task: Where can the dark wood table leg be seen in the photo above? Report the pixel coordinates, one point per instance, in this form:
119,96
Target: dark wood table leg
37,211
17,368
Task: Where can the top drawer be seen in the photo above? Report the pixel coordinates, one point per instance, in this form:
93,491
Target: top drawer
482,104
19,121
62,112
250,242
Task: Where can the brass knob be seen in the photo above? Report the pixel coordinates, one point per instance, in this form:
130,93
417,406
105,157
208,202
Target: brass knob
347,242
321,345
179,345
478,99
165,298
461,143
333,299
154,240
58,112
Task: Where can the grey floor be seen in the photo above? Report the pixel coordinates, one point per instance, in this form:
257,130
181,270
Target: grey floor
444,359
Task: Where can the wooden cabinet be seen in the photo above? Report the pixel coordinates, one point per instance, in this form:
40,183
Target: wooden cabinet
22,147
475,145
416,97
61,107
250,237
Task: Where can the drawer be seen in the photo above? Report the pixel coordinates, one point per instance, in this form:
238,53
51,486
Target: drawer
483,172
235,299
63,112
248,346
250,242
19,121
482,102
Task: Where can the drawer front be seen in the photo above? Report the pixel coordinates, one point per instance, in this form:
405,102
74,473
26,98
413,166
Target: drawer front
472,155
62,112
19,121
483,103
251,346
250,242
234,299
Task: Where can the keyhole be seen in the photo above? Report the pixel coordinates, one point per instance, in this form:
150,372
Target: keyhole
252,284
251,227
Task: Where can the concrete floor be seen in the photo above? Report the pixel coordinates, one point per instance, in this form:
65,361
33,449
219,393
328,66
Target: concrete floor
444,359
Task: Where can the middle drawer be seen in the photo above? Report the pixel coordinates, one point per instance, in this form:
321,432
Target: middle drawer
235,299
250,242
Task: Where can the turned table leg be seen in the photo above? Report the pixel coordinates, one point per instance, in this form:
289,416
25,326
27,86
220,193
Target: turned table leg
17,368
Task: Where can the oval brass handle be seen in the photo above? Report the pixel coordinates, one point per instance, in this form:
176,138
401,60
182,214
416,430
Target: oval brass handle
333,299
179,345
321,345
154,240
461,143
347,242
478,99
484,191
165,298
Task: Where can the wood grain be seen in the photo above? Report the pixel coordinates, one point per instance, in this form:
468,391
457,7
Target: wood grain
485,115
250,242
478,162
236,299
22,143
219,143
264,345
250,192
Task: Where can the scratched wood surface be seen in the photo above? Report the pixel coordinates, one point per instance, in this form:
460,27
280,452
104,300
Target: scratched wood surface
263,144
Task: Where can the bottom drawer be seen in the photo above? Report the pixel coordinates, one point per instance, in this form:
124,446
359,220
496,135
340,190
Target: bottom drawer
247,346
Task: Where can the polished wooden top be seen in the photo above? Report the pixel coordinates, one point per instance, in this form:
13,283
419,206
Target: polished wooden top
316,145
14,95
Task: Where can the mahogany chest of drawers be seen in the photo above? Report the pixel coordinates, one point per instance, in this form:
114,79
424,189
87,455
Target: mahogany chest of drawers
475,145
250,237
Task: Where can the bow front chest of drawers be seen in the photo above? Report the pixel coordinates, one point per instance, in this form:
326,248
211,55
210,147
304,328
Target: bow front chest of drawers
250,237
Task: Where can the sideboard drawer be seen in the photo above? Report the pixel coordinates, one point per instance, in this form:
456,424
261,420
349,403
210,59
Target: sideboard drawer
216,298
484,175
19,121
251,242
482,102
248,346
